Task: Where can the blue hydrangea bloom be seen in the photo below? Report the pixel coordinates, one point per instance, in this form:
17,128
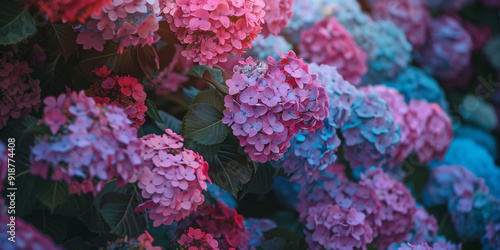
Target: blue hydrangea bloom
475,110
222,195
257,227
413,83
479,136
287,191
264,47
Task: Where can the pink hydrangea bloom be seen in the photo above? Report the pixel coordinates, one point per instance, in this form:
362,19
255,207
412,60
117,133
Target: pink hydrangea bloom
425,246
123,91
448,49
278,12
19,93
399,108
195,239
329,42
214,29
172,178
143,242
128,23
436,130
173,76
4,166
224,224
448,182
69,10
491,3
411,16
89,144
27,236
268,104
371,135
397,209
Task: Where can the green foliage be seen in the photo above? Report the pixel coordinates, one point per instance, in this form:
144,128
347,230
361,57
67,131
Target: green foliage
262,180
64,37
282,238
16,24
51,193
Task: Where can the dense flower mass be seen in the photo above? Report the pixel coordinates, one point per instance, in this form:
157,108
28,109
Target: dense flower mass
446,5
448,182
426,246
123,91
413,83
397,207
224,224
278,12
436,130
174,75
142,242
329,42
256,227
479,136
20,94
214,29
126,22
411,16
491,240
194,239
26,237
471,212
222,195
448,50
425,229
313,152
371,135
69,10
287,191
268,104
265,47
88,144
172,178
409,127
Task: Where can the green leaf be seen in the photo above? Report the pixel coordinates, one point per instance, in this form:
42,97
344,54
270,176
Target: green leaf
51,193
277,244
262,180
149,128
65,38
203,150
169,121
152,112
198,71
210,97
230,168
16,24
189,94
281,238
76,205
56,226
203,124
117,210
148,60
94,221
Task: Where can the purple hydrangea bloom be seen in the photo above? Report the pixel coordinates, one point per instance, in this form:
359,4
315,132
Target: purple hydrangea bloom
446,5
491,240
256,227
264,47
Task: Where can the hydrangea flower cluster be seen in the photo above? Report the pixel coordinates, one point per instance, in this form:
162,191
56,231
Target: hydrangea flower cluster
477,111
20,94
88,144
425,246
256,227
329,42
264,47
195,239
215,29
287,191
371,135
69,10
446,5
126,22
411,16
397,209
471,212
278,12
436,130
174,75
222,195
172,178
448,182
491,240
268,104
409,128
313,152
413,83
479,136
30,238
448,49
225,225
143,242
426,227
123,91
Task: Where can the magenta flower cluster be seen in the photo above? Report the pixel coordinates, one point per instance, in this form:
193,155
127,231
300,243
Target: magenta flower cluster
88,144
329,42
195,239
269,103
172,178
371,134
278,12
20,94
397,207
212,30
126,22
